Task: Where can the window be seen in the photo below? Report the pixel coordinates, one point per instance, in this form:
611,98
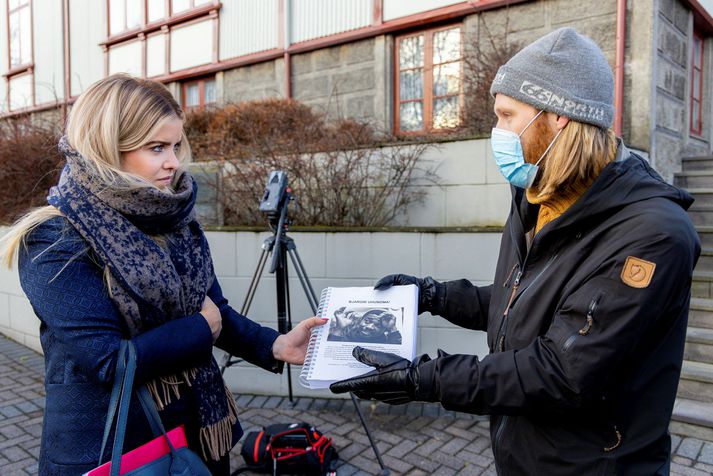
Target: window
429,81
198,93
126,15
697,85
178,6
20,33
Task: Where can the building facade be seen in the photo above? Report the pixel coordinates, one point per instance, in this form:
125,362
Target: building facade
397,63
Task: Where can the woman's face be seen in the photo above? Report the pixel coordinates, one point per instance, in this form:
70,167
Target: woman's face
156,160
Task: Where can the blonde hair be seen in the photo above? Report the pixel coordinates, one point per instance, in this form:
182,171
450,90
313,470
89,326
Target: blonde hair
575,160
117,114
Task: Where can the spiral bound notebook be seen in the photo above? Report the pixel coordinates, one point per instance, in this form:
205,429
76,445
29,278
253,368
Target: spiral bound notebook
380,320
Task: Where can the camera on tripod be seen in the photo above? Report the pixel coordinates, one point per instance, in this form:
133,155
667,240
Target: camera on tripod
276,192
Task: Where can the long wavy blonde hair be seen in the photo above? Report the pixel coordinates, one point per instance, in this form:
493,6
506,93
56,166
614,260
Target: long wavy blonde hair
575,161
117,114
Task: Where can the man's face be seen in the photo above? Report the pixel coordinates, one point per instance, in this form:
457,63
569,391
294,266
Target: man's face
514,116
369,325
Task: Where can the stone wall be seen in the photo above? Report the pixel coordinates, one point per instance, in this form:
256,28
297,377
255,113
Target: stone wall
258,81
350,80
672,89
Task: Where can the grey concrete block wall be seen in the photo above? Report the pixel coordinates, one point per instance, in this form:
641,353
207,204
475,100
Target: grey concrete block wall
524,23
330,259
345,80
672,139
258,81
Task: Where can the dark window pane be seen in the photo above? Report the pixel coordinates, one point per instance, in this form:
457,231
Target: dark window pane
446,79
411,116
411,84
445,113
411,52
446,45
697,45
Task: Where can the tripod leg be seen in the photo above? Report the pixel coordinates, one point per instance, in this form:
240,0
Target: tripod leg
282,303
289,328
254,282
228,359
304,280
384,470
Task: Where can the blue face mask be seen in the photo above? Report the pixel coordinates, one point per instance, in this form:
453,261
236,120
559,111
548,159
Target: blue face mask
507,151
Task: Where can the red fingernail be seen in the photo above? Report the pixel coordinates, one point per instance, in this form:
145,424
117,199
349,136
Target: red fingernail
325,318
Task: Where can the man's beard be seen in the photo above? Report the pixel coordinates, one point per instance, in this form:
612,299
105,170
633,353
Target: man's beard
537,145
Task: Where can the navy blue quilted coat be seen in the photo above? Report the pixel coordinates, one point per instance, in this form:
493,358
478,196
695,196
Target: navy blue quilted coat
80,332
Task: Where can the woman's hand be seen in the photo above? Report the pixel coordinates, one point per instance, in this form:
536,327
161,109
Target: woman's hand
292,347
211,313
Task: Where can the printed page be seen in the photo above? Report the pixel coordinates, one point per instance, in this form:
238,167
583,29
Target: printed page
379,320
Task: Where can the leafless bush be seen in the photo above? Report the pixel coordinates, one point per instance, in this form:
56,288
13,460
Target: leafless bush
29,164
484,54
340,170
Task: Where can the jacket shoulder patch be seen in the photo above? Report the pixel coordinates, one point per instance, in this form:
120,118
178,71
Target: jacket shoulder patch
637,272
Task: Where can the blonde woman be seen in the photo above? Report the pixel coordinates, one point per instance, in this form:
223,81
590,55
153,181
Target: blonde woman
117,254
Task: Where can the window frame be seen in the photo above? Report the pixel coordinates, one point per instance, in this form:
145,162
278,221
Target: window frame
168,15
696,123
201,92
428,67
13,70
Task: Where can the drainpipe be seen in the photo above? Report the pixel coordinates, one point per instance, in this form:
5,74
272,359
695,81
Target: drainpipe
67,61
619,68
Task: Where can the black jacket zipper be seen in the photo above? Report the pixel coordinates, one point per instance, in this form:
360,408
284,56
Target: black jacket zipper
589,322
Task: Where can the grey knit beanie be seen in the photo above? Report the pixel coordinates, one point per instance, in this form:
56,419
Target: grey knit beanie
562,72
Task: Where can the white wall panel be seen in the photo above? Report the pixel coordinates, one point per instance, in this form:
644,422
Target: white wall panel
248,26
156,55
400,8
317,18
125,58
21,91
49,51
192,45
3,58
87,26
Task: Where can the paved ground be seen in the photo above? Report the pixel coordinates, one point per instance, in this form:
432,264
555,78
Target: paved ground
414,439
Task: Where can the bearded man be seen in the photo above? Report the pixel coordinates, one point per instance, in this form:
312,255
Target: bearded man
586,318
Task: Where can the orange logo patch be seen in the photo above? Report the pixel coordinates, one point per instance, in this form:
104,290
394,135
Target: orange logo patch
637,272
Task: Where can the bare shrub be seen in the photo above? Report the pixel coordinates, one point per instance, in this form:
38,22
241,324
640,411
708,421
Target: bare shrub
340,170
483,55
29,165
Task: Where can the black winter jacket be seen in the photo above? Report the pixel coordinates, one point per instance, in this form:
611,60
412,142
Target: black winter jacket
586,327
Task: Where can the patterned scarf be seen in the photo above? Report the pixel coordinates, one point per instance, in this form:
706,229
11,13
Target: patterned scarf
171,280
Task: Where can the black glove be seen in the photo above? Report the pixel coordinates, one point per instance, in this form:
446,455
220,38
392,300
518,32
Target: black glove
431,293
395,380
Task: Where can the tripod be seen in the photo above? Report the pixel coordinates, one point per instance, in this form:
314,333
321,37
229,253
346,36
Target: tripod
281,246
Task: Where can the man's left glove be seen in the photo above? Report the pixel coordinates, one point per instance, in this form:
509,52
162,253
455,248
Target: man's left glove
395,380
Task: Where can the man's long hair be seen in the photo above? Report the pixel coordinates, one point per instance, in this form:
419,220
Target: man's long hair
574,161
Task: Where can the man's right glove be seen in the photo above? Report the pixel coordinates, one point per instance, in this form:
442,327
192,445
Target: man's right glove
431,293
